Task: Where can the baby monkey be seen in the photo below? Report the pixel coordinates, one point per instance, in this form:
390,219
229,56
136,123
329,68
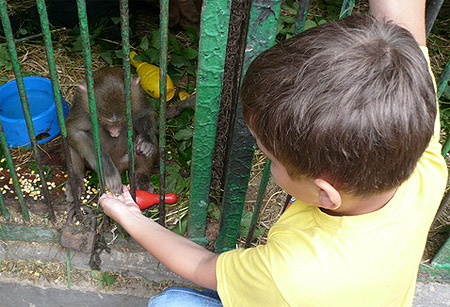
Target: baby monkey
109,94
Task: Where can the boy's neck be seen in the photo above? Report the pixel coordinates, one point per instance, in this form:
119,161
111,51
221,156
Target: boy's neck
352,206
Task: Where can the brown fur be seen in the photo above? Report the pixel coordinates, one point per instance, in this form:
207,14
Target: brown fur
109,94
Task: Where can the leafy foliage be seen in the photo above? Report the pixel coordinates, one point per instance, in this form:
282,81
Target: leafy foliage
103,279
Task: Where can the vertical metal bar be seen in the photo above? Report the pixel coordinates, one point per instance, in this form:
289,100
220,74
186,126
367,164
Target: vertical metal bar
84,33
302,13
213,36
125,31
163,43
257,209
347,8
7,153
442,84
264,16
42,9
26,110
432,12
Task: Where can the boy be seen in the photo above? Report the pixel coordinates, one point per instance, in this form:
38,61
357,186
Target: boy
347,114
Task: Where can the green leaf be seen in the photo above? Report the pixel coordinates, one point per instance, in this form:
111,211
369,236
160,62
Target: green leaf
154,179
179,61
152,55
155,39
184,134
309,24
181,226
190,53
213,211
115,20
192,34
23,31
245,225
108,280
119,53
173,169
144,43
176,47
289,19
107,57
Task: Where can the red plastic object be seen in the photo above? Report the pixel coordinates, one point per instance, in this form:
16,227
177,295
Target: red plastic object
146,199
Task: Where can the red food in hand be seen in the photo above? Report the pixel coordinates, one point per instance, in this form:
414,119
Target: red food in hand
146,199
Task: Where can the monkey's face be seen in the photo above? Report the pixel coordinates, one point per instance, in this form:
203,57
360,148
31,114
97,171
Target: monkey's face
114,126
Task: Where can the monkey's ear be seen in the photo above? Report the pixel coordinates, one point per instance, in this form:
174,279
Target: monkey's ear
82,87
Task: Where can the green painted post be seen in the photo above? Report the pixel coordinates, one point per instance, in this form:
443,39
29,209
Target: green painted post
302,15
163,42
84,33
42,9
26,110
347,8
264,16
213,38
125,31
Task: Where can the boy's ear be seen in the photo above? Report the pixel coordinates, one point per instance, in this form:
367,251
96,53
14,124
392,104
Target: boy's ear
329,197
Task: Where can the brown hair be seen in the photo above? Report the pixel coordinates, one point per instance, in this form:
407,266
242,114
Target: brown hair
350,101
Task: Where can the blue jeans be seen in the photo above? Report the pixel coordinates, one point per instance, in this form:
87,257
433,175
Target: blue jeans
185,297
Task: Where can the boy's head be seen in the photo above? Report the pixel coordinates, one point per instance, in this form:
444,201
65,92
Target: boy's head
351,102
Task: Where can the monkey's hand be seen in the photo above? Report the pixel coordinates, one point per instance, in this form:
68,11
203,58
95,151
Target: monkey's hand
112,177
143,147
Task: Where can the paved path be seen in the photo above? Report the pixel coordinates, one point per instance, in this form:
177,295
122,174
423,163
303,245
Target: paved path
20,295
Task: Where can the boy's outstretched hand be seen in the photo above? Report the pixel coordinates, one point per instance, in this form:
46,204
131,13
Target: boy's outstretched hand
115,206
179,254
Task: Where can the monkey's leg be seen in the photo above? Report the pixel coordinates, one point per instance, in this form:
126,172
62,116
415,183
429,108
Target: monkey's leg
84,145
144,169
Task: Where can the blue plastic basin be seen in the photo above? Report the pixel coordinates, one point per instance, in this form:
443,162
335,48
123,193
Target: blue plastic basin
42,108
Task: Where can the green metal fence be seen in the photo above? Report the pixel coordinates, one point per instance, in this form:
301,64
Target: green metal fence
258,29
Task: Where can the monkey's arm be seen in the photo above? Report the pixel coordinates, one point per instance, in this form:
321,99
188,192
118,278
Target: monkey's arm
80,139
145,142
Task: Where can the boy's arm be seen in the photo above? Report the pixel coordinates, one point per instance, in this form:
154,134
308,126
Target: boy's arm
180,255
410,14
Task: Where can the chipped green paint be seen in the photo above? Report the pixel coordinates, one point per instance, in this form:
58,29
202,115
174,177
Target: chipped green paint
347,8
84,33
442,258
29,234
302,15
264,16
213,38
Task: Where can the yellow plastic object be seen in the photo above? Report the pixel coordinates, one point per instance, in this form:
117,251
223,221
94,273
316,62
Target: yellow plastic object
150,78
183,95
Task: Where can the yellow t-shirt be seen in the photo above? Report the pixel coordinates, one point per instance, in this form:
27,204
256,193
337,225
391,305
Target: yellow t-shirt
314,259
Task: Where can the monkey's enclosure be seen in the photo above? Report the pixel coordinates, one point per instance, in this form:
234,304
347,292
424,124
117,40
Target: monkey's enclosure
222,160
